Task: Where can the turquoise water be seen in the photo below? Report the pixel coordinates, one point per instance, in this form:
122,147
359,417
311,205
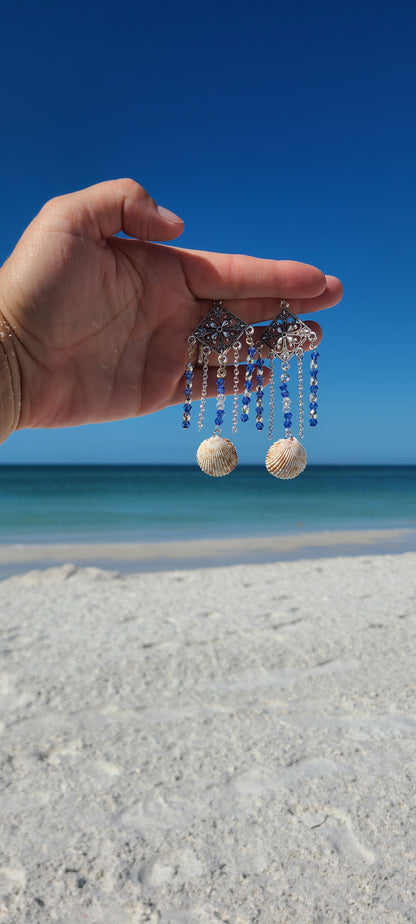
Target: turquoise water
137,503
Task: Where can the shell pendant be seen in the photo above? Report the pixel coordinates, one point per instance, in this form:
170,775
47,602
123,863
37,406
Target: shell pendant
286,458
217,456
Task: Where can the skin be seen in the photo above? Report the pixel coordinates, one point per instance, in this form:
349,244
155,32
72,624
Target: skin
100,323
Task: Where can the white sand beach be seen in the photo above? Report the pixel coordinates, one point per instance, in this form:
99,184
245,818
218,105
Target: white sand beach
233,744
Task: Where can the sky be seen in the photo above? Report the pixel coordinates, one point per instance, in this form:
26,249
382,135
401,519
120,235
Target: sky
282,130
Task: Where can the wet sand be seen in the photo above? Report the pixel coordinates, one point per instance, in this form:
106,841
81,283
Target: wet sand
161,556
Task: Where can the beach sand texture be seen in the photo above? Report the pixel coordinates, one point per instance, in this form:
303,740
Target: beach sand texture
229,744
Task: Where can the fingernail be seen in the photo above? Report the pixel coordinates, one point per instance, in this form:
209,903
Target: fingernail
167,215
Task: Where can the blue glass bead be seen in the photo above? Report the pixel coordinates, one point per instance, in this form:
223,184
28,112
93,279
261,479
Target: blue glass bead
187,407
259,425
251,367
314,389
251,350
248,384
314,354
220,390
188,392
284,391
244,417
313,422
313,405
246,400
186,424
260,393
260,363
220,381
189,376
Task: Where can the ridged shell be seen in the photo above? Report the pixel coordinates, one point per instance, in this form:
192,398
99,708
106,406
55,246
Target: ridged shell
217,456
286,458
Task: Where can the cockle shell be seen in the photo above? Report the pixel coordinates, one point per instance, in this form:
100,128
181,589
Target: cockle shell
217,456
286,458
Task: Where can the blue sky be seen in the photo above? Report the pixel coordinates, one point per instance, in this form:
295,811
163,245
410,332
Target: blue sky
283,130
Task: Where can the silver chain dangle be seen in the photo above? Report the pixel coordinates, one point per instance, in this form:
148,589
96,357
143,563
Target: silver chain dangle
236,383
299,356
286,402
221,373
189,374
205,366
271,357
250,367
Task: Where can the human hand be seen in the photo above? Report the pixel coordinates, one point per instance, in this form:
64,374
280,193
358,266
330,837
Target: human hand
100,323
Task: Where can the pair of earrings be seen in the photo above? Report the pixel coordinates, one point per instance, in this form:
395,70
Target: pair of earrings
222,331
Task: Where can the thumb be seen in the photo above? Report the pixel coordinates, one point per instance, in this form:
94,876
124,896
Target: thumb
105,209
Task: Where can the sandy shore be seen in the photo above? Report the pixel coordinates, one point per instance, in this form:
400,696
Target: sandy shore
231,744
162,556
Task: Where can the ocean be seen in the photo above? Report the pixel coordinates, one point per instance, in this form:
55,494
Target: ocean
125,503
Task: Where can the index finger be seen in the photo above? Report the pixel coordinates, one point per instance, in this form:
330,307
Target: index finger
220,275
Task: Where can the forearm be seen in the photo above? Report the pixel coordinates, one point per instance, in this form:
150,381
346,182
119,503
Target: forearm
10,387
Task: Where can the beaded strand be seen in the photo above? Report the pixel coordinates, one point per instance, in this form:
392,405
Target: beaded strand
259,392
286,402
221,373
189,374
250,367
313,397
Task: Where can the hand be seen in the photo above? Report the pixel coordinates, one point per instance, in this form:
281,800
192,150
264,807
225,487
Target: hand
100,323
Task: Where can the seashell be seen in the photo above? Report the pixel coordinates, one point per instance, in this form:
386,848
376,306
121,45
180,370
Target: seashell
217,456
286,458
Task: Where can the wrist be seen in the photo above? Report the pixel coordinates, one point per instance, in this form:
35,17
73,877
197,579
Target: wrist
10,382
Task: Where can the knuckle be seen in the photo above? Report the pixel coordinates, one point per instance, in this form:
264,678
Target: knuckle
57,206
132,190
51,205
